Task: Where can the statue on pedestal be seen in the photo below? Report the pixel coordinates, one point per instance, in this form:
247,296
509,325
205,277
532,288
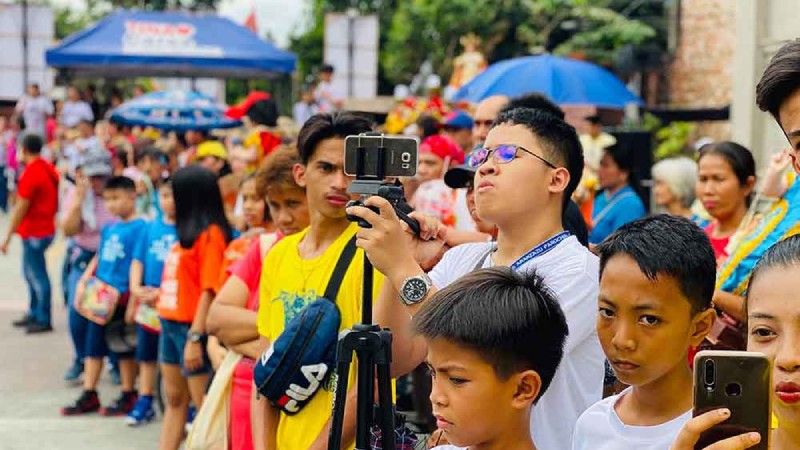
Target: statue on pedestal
470,63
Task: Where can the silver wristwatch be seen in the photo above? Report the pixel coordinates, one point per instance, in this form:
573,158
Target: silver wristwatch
415,289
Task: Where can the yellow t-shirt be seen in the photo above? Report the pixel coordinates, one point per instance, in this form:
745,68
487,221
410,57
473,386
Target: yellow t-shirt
290,283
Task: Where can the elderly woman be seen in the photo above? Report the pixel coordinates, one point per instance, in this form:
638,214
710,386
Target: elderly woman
674,190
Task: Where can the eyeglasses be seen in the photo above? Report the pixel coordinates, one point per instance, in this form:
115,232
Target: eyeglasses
502,154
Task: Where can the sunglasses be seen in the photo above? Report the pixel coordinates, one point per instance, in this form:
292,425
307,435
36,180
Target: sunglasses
502,154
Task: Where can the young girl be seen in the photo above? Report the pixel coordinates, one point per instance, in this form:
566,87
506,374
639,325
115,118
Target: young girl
232,318
146,271
256,222
189,283
773,328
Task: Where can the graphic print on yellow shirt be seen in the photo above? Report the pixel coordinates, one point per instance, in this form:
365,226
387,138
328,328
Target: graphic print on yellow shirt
289,284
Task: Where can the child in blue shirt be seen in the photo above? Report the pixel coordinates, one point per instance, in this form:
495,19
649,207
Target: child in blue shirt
146,271
111,266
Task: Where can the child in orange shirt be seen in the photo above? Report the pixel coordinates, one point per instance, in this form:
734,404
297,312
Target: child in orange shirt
189,283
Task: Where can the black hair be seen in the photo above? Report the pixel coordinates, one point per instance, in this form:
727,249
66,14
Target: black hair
737,156
428,126
120,183
785,253
572,220
499,313
122,157
326,126
558,139
326,68
780,79
593,119
154,154
625,159
667,245
198,204
32,143
264,112
535,100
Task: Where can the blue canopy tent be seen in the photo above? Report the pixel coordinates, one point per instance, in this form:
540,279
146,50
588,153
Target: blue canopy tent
174,44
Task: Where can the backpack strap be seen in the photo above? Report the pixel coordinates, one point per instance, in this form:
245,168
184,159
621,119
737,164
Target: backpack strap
340,270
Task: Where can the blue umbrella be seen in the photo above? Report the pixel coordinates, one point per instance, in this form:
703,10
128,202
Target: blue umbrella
174,110
565,81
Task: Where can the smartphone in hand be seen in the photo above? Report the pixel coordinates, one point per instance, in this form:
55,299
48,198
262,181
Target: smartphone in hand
739,381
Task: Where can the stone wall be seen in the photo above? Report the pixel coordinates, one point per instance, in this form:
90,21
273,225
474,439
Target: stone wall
701,73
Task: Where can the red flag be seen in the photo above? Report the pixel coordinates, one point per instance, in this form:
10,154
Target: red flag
250,22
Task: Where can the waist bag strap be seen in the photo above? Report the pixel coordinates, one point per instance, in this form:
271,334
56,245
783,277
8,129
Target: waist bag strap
340,270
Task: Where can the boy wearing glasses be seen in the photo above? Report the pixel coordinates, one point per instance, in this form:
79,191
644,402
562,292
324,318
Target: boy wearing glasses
526,171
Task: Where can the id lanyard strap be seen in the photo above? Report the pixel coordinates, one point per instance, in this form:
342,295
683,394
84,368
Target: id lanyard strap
540,249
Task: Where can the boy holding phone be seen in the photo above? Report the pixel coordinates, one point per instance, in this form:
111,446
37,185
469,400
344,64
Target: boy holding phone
656,283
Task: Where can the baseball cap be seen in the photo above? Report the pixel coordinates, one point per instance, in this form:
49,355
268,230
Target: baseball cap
459,177
458,120
95,162
211,148
238,110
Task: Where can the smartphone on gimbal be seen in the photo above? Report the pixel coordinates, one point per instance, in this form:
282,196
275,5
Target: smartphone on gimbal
372,156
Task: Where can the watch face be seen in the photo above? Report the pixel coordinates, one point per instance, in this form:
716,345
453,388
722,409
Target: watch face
415,289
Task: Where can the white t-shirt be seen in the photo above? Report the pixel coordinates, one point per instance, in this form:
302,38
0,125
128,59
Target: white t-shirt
73,112
35,111
572,272
326,95
600,428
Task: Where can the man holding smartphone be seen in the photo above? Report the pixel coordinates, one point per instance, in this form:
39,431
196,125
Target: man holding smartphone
297,270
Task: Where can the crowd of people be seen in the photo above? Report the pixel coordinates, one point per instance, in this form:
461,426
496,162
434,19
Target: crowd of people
541,324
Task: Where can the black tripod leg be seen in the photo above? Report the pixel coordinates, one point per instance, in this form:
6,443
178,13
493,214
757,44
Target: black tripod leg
386,407
344,356
366,396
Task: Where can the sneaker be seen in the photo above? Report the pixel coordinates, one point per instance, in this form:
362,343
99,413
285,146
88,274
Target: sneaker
142,412
115,377
190,419
74,373
23,322
121,406
36,328
87,403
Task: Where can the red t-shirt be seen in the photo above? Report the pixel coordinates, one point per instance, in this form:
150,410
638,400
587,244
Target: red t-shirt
39,185
718,244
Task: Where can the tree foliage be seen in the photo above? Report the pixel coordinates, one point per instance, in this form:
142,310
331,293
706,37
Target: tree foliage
413,31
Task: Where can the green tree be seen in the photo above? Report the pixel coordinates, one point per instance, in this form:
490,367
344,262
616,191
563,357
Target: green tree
430,29
598,30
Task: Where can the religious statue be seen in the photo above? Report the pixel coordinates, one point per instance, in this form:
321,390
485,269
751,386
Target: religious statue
470,63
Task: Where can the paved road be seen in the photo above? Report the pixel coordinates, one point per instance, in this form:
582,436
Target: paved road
31,370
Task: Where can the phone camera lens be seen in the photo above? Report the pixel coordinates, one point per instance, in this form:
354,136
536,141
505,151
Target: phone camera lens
709,373
733,389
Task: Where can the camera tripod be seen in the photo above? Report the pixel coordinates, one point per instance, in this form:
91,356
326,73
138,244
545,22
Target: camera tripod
371,344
